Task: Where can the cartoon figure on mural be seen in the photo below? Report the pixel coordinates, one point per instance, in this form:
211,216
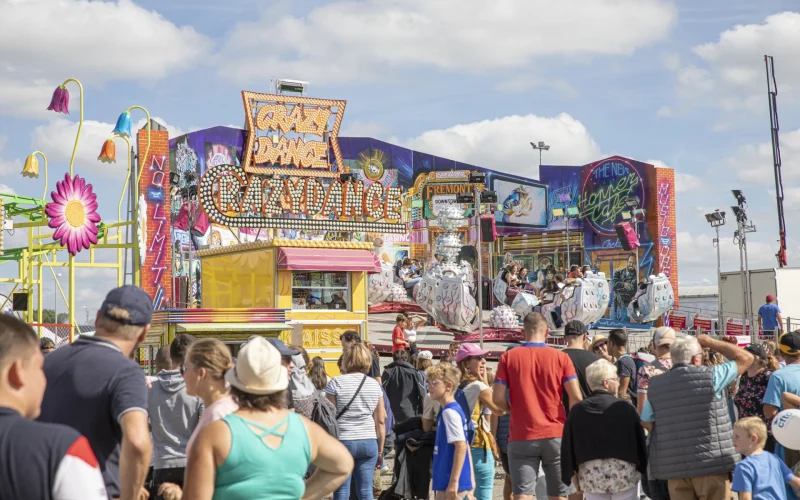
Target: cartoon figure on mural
517,204
624,286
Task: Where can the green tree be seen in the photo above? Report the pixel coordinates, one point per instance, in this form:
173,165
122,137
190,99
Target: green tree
48,315
62,318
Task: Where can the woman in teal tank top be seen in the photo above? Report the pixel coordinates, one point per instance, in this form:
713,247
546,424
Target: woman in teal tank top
263,451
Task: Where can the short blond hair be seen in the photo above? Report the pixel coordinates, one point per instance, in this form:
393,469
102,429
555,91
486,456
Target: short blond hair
445,372
357,360
754,427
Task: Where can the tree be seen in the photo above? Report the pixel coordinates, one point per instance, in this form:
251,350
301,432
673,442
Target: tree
48,315
62,318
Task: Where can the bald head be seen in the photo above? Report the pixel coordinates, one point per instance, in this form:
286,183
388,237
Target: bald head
534,326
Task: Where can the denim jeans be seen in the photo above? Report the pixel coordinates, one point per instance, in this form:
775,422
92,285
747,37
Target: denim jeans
483,466
410,283
365,456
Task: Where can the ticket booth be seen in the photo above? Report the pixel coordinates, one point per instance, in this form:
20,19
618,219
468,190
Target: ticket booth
321,286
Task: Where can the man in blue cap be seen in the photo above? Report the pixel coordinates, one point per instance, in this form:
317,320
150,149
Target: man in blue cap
95,387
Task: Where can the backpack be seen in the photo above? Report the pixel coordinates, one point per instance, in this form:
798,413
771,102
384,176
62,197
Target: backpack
461,399
323,413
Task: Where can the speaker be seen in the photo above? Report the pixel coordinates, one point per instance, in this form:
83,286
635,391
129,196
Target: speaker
627,236
19,301
488,228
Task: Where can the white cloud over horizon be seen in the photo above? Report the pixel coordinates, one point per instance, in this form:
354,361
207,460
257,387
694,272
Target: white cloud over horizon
346,41
503,144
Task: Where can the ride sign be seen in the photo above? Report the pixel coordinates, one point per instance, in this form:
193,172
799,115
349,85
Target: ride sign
290,135
231,197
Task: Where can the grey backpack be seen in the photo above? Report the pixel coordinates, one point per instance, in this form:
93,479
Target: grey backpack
323,414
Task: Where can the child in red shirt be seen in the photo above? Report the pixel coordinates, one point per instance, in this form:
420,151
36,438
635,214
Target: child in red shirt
398,337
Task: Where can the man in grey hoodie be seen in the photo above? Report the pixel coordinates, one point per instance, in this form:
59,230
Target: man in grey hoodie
173,417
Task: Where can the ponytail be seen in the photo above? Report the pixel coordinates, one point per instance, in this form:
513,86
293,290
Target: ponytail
771,363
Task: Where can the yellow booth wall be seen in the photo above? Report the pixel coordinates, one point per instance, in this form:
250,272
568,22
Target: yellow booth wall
242,279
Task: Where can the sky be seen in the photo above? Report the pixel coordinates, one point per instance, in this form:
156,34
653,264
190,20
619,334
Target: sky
677,83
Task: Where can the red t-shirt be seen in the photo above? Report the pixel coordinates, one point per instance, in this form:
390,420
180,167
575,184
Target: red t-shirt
397,334
535,374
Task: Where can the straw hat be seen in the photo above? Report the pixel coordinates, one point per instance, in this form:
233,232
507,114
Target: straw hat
258,369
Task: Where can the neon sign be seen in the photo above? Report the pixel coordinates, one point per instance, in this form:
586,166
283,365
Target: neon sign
665,262
606,191
231,197
279,129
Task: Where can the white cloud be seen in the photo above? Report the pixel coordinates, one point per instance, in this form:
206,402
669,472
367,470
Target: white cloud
753,163
683,182
353,41
57,138
99,41
7,166
730,72
697,256
504,143
5,188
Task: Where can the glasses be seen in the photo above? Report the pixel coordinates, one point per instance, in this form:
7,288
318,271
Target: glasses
614,379
482,358
433,383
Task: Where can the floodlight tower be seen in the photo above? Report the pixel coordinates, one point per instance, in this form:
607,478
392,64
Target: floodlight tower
717,219
740,238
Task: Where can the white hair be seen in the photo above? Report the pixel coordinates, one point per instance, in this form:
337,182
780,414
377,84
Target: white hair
684,349
599,371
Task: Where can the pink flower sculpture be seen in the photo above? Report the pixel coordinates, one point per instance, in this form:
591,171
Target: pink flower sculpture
60,100
73,214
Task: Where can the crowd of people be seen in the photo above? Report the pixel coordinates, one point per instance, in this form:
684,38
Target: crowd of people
589,420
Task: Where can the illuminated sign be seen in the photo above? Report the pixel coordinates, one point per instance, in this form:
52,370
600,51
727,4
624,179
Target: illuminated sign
607,187
231,197
438,189
290,135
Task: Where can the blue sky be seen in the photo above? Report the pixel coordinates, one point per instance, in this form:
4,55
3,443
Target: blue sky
677,82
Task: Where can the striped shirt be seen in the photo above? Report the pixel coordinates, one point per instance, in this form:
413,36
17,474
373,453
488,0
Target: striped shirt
357,421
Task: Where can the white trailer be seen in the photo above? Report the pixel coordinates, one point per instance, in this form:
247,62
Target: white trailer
783,284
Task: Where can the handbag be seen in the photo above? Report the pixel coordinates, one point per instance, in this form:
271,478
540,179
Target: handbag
347,406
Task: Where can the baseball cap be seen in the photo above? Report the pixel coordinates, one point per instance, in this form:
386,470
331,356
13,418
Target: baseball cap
132,299
664,335
574,327
258,369
281,346
757,350
789,343
425,355
466,350
770,298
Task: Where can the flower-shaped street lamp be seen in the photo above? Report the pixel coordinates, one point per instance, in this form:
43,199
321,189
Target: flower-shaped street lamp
60,104
108,154
73,214
123,128
31,168
60,100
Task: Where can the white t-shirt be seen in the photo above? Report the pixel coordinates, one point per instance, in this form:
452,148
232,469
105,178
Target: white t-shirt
357,422
403,273
411,335
454,428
